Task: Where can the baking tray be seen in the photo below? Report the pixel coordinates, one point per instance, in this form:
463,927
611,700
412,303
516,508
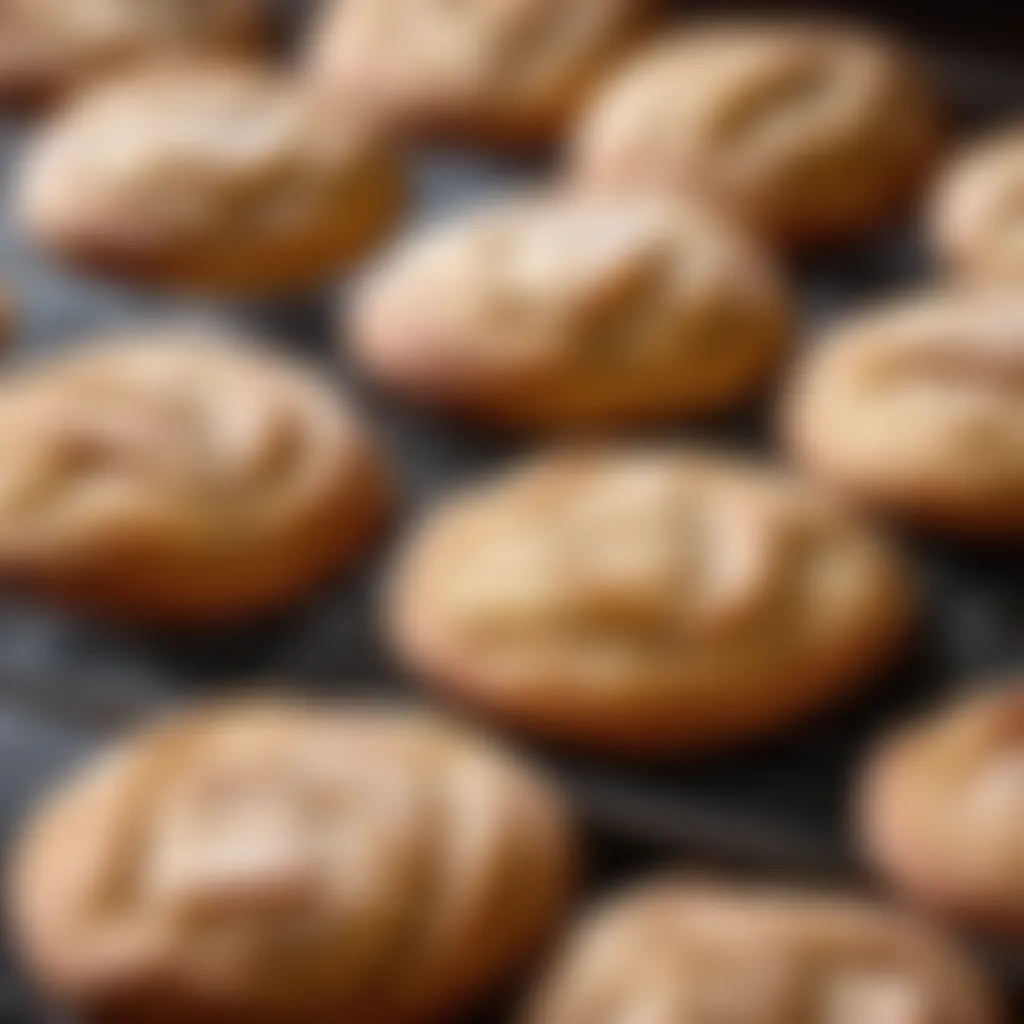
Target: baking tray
66,684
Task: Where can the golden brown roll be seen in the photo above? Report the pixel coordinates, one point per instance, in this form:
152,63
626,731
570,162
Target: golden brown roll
916,408
174,476
505,72
212,177
290,863
50,46
977,218
645,601
561,311
810,132
684,952
940,810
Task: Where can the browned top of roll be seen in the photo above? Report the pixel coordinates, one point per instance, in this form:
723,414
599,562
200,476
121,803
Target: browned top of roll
678,952
276,861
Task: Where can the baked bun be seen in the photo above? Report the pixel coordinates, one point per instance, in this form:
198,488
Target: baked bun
176,477
977,217
290,863
49,47
682,952
916,409
208,177
646,601
940,810
502,72
812,133
563,312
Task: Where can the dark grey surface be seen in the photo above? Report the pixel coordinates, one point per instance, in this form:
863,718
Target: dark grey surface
64,683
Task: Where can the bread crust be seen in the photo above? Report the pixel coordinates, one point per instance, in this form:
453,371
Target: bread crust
275,861
936,810
504,73
176,478
565,600
679,948
560,312
49,48
914,409
212,177
811,132
974,220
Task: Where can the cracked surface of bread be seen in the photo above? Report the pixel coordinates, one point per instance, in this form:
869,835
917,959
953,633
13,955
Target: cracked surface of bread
209,177
283,862
679,950
916,408
562,311
48,47
809,132
505,72
977,217
940,809
180,476
645,602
